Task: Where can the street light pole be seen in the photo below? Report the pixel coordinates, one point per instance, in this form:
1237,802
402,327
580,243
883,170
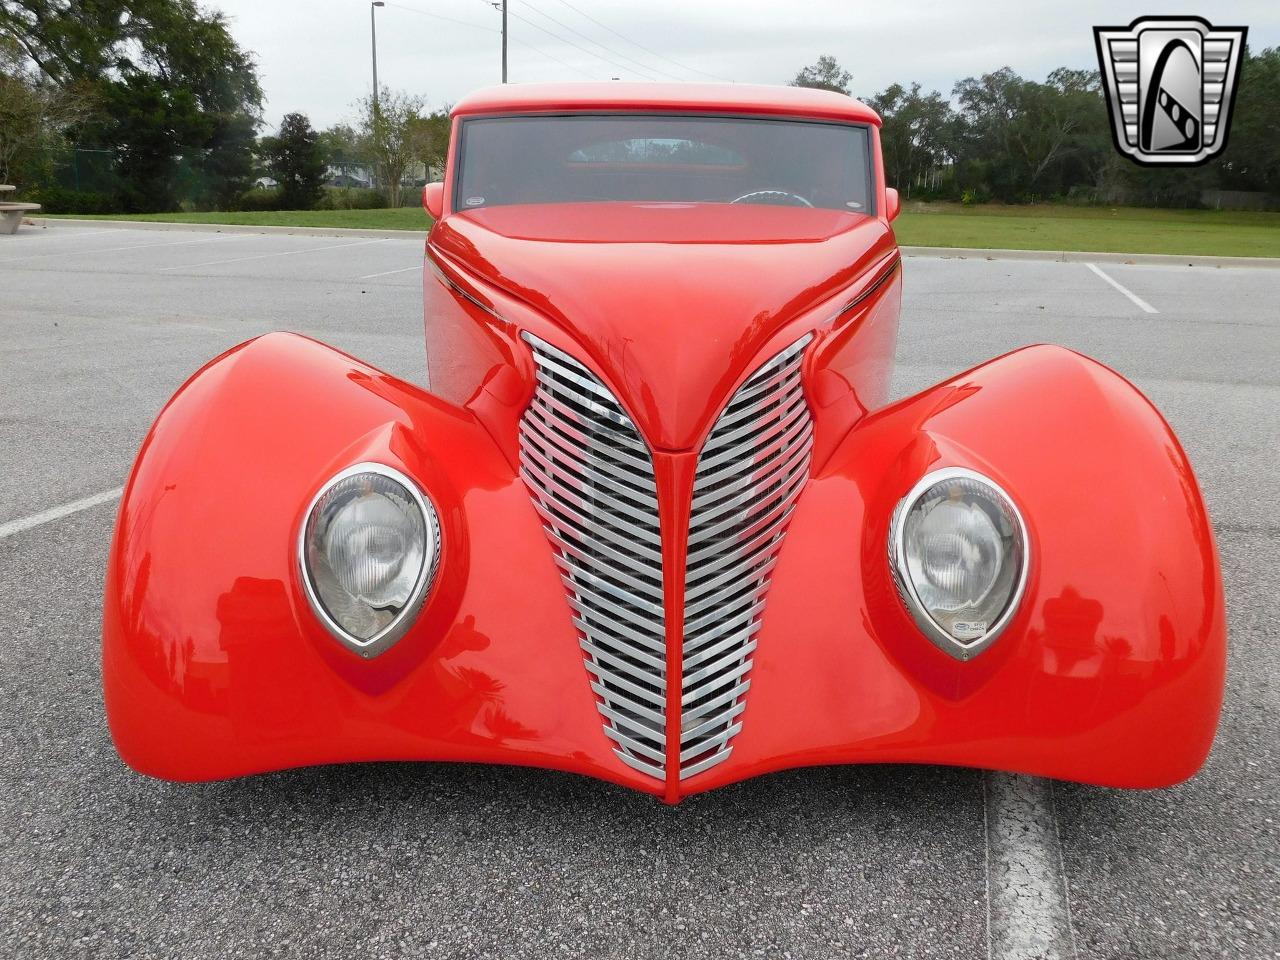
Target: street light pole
373,36
502,6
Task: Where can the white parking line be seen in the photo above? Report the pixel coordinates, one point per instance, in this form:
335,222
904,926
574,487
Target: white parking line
268,256
133,246
44,234
57,513
388,273
1028,906
1125,290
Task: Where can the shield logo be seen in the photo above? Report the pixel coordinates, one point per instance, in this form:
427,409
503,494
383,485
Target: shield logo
1170,83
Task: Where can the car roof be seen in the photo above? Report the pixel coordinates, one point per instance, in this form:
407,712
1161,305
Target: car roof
732,98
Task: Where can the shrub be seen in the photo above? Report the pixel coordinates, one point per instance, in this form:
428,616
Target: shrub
62,200
351,198
1082,194
258,199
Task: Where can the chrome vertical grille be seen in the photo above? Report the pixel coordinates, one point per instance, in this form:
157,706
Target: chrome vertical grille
592,481
750,472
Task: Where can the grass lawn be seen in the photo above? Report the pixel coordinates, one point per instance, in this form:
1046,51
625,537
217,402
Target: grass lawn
1220,233
1040,227
402,218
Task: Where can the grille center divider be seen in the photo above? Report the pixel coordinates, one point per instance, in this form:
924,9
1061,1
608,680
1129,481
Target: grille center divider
593,481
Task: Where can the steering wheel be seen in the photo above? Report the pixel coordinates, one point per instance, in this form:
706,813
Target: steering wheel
778,198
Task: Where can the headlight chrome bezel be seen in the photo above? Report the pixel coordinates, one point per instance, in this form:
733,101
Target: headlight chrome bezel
898,564
399,625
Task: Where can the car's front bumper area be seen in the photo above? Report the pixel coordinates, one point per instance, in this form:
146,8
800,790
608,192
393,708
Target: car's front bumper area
214,666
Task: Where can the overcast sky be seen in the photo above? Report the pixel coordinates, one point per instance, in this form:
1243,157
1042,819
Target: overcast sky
313,55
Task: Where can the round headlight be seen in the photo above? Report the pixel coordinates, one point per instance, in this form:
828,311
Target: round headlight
368,552
958,549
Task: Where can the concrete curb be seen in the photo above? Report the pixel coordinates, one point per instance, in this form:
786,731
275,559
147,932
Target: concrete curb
957,253
1082,256
242,228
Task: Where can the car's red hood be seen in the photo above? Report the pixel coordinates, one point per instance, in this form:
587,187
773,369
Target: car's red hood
673,303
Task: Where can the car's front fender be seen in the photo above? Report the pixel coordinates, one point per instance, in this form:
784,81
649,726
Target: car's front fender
1112,670
213,663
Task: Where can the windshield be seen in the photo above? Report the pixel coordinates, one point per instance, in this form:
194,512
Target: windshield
684,159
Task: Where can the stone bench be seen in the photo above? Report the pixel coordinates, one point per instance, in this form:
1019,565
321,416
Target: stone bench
11,215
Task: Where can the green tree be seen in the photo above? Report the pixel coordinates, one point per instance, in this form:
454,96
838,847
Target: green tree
1252,157
1016,138
1078,108
226,166
825,74
297,161
916,134
35,116
388,129
341,144
173,84
431,141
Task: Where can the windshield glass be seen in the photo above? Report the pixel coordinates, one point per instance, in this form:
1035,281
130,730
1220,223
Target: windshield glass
684,159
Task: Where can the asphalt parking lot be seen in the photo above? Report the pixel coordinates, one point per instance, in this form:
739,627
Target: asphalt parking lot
99,326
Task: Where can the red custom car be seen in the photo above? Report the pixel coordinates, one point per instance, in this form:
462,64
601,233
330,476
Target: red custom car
654,521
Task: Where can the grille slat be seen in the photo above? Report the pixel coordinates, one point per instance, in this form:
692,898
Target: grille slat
740,630
695,594
754,431
598,503
737,544
749,481
575,556
592,603
576,470
603,591
714,650
593,483
595,526
572,443
700,731
587,414
779,471
717,707
627,658
725,593
741,408
769,505
641,660
584,623
755,459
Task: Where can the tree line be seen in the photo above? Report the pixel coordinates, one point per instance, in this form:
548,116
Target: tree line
162,108
1003,137
152,105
